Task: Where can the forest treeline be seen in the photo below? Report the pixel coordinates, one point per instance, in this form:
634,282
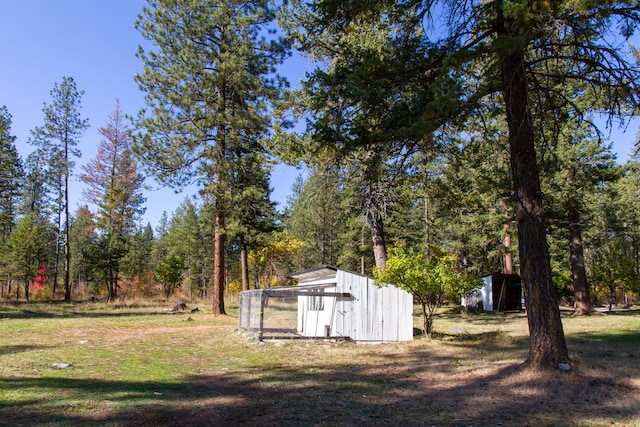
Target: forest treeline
466,127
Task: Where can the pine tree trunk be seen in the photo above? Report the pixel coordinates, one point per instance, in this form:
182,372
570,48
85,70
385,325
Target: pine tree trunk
244,264
67,246
379,245
56,266
547,346
427,232
362,258
219,221
67,259
506,241
578,272
218,266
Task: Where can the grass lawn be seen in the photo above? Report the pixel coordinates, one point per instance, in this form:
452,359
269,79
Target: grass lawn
130,365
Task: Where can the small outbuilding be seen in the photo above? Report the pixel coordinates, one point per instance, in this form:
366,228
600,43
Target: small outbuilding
332,303
500,292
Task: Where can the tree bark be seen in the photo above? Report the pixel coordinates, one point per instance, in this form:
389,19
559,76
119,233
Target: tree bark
56,266
377,236
427,232
507,258
582,303
612,296
244,264
67,243
218,266
547,346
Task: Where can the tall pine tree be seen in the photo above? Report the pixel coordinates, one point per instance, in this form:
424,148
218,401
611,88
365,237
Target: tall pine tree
115,187
208,81
57,140
10,176
520,40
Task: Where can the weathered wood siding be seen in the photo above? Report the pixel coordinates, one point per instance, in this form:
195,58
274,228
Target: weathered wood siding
372,313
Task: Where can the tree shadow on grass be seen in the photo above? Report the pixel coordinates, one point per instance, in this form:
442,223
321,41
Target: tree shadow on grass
616,351
484,317
62,310
416,387
20,348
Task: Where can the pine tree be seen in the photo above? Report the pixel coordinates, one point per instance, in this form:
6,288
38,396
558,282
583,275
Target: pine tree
10,175
208,82
613,237
57,139
576,165
115,187
469,193
183,241
316,217
254,217
137,263
34,194
10,178
83,239
27,250
520,42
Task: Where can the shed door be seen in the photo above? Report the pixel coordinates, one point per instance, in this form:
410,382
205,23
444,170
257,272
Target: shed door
315,315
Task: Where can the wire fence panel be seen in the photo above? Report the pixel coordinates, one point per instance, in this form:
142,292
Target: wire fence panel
267,316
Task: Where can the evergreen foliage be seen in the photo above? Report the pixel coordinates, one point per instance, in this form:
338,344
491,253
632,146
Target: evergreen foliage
10,175
522,51
459,143
83,237
27,248
115,187
208,82
57,142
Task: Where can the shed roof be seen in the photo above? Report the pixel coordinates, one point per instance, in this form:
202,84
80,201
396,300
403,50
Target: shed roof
505,276
319,273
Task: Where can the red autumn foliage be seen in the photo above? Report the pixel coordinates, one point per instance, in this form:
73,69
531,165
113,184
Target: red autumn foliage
40,280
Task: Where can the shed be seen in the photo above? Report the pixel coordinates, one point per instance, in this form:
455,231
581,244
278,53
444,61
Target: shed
500,292
335,303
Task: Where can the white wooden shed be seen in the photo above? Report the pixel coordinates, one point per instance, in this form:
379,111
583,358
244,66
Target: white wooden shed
330,303
500,292
360,310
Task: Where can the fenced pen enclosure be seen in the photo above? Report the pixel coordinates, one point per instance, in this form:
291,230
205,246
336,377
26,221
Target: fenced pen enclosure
328,303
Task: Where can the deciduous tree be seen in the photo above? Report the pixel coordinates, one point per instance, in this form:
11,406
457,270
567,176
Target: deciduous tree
431,278
169,272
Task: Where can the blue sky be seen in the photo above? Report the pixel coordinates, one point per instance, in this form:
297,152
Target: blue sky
95,42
